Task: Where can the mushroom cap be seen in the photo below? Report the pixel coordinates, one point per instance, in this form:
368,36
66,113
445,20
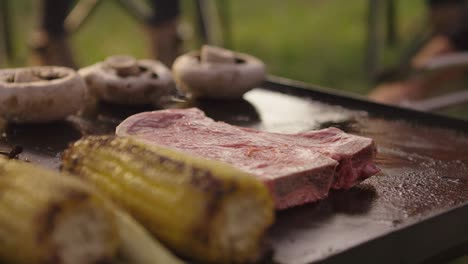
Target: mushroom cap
218,80
124,80
40,94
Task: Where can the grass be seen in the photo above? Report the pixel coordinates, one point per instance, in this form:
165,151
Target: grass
321,42
315,41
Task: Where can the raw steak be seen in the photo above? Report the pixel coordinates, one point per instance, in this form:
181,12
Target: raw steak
298,168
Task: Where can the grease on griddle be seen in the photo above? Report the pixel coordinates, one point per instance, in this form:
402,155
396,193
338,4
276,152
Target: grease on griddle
347,125
238,112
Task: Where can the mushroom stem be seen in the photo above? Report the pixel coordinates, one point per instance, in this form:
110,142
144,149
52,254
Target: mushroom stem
25,76
123,65
212,54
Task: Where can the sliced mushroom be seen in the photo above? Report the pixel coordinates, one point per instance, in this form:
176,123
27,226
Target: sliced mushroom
215,72
40,94
122,79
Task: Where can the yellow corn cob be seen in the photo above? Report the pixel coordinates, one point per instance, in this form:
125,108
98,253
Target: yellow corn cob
46,217
204,210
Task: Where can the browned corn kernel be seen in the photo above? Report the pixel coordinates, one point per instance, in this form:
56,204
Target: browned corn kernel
202,209
46,217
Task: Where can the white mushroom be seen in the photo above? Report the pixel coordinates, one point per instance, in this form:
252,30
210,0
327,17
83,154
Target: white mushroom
124,80
217,73
40,94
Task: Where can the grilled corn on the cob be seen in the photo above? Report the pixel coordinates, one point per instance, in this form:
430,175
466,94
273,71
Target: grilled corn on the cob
49,218
46,217
202,209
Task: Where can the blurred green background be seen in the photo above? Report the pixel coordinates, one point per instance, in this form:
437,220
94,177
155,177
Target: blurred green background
315,41
321,42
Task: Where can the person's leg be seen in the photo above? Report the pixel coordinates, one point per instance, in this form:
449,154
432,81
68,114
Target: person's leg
449,19
49,40
165,42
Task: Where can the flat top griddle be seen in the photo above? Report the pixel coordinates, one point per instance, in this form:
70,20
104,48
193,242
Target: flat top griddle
415,210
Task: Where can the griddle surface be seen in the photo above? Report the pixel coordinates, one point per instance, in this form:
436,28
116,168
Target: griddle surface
414,210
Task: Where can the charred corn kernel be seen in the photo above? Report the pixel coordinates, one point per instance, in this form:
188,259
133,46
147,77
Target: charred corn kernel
46,217
205,210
